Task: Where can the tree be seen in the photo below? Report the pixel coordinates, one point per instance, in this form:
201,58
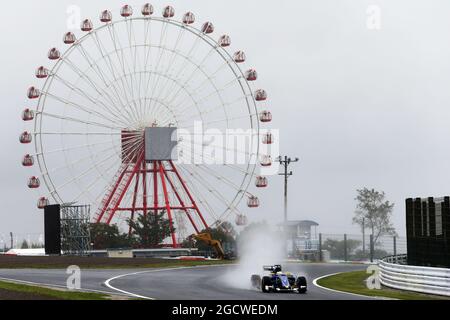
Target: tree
256,228
337,247
225,233
150,230
374,212
24,245
259,244
105,236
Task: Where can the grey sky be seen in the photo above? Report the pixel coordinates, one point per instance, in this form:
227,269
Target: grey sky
360,107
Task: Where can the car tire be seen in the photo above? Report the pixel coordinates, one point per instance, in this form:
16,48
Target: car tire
256,281
301,284
266,281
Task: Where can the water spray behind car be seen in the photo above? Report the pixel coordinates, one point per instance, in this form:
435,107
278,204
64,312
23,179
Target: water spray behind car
257,247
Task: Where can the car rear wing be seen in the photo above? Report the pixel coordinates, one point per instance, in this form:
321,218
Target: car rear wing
275,268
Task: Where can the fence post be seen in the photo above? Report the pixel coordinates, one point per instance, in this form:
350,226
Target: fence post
371,248
395,249
345,248
320,248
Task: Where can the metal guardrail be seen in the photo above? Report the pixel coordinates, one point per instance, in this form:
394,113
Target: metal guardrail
395,273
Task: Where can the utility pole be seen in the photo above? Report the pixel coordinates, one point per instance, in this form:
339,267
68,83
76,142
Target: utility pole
364,235
285,162
12,239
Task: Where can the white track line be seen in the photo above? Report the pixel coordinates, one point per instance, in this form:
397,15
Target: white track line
337,291
108,282
53,285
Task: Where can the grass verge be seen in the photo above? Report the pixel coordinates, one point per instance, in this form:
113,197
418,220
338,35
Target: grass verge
98,263
9,290
354,282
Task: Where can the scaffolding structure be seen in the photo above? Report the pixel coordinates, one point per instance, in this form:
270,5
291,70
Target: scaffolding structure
75,235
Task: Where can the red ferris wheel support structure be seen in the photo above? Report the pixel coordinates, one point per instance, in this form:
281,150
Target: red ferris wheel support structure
136,169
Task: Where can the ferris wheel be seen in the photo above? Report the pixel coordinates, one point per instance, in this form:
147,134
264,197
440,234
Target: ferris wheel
115,81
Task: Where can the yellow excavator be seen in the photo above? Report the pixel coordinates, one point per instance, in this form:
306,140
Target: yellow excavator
215,244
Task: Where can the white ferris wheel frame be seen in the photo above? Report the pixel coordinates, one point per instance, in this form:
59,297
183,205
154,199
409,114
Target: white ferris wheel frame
215,48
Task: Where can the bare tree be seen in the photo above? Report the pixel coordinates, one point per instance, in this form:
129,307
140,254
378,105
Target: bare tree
374,212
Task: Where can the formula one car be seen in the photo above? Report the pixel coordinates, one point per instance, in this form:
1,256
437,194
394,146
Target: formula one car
278,281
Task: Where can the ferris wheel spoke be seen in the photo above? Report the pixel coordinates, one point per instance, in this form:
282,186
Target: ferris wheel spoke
203,182
208,80
220,120
89,188
221,178
136,65
132,114
118,48
126,88
199,194
211,76
231,209
77,90
233,167
117,44
129,149
111,68
73,148
162,40
133,67
148,56
133,147
91,62
209,95
108,150
80,107
165,118
88,80
92,123
170,63
218,175
193,73
207,186
74,163
196,103
77,178
218,107
79,133
221,147
189,59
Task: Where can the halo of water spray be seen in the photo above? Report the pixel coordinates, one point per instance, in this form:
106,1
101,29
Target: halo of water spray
257,246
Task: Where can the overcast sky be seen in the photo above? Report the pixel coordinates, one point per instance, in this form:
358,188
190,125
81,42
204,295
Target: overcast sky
360,107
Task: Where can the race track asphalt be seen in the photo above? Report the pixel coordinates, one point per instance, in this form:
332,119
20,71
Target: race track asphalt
201,283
